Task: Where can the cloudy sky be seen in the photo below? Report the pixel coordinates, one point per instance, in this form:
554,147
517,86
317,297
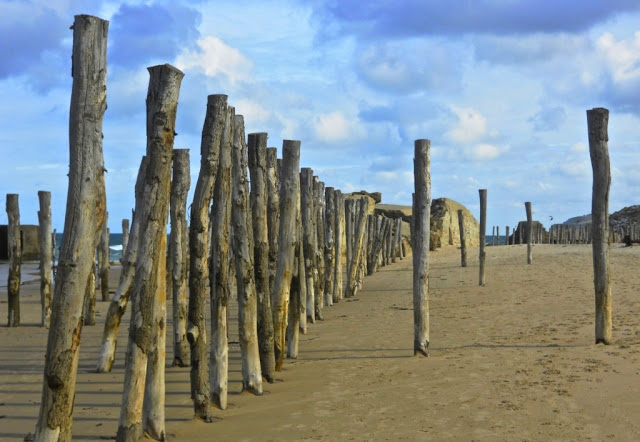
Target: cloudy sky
500,87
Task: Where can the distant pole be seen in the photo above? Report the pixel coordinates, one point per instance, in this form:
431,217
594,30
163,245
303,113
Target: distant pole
493,236
463,239
597,122
125,237
527,207
506,240
103,260
44,236
498,235
420,237
15,258
483,227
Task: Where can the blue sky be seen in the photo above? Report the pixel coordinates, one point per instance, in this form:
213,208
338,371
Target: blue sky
500,87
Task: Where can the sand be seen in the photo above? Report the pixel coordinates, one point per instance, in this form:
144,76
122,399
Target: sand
513,360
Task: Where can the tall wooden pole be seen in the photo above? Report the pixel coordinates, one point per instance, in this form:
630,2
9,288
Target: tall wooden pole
506,241
527,206
84,219
463,239
308,238
273,211
257,148
319,209
179,255
125,237
359,252
44,238
597,122
329,245
15,259
289,197
219,266
243,254
118,304
339,246
420,237
103,260
148,303
212,132
483,227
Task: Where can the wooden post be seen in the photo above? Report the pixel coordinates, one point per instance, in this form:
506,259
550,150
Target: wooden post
506,240
179,255
118,304
319,206
212,132
349,221
257,146
339,246
483,227
89,314
289,197
420,237
243,254
15,259
597,121
44,238
358,249
103,260
308,238
527,206
329,245
84,218
219,267
273,211
54,250
493,236
297,294
125,237
463,239
148,306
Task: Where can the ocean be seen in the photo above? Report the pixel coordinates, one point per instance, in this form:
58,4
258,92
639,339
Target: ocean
115,246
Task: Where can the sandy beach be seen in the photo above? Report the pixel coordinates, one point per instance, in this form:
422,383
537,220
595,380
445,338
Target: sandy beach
514,360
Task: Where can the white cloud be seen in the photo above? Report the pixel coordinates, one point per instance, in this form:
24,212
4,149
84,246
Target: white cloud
579,147
331,127
252,111
623,57
484,151
471,126
215,57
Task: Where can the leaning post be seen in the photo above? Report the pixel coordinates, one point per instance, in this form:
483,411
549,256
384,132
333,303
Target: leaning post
527,206
597,122
463,239
483,226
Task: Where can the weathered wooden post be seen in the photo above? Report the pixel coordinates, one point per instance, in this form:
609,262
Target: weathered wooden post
597,121
212,132
219,266
493,236
463,239
319,208
359,252
144,369
349,227
15,259
103,260
339,246
296,294
243,254
257,146
289,197
54,250
118,304
329,245
179,256
420,237
498,235
44,238
308,238
89,313
527,206
483,226
84,218
273,211
506,240
125,237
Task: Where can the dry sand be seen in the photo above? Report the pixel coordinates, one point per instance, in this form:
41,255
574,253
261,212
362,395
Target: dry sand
514,360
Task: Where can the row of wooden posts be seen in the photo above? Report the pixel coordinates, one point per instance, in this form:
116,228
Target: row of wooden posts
282,232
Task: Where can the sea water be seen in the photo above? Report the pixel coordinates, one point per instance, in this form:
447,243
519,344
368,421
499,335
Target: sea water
115,246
